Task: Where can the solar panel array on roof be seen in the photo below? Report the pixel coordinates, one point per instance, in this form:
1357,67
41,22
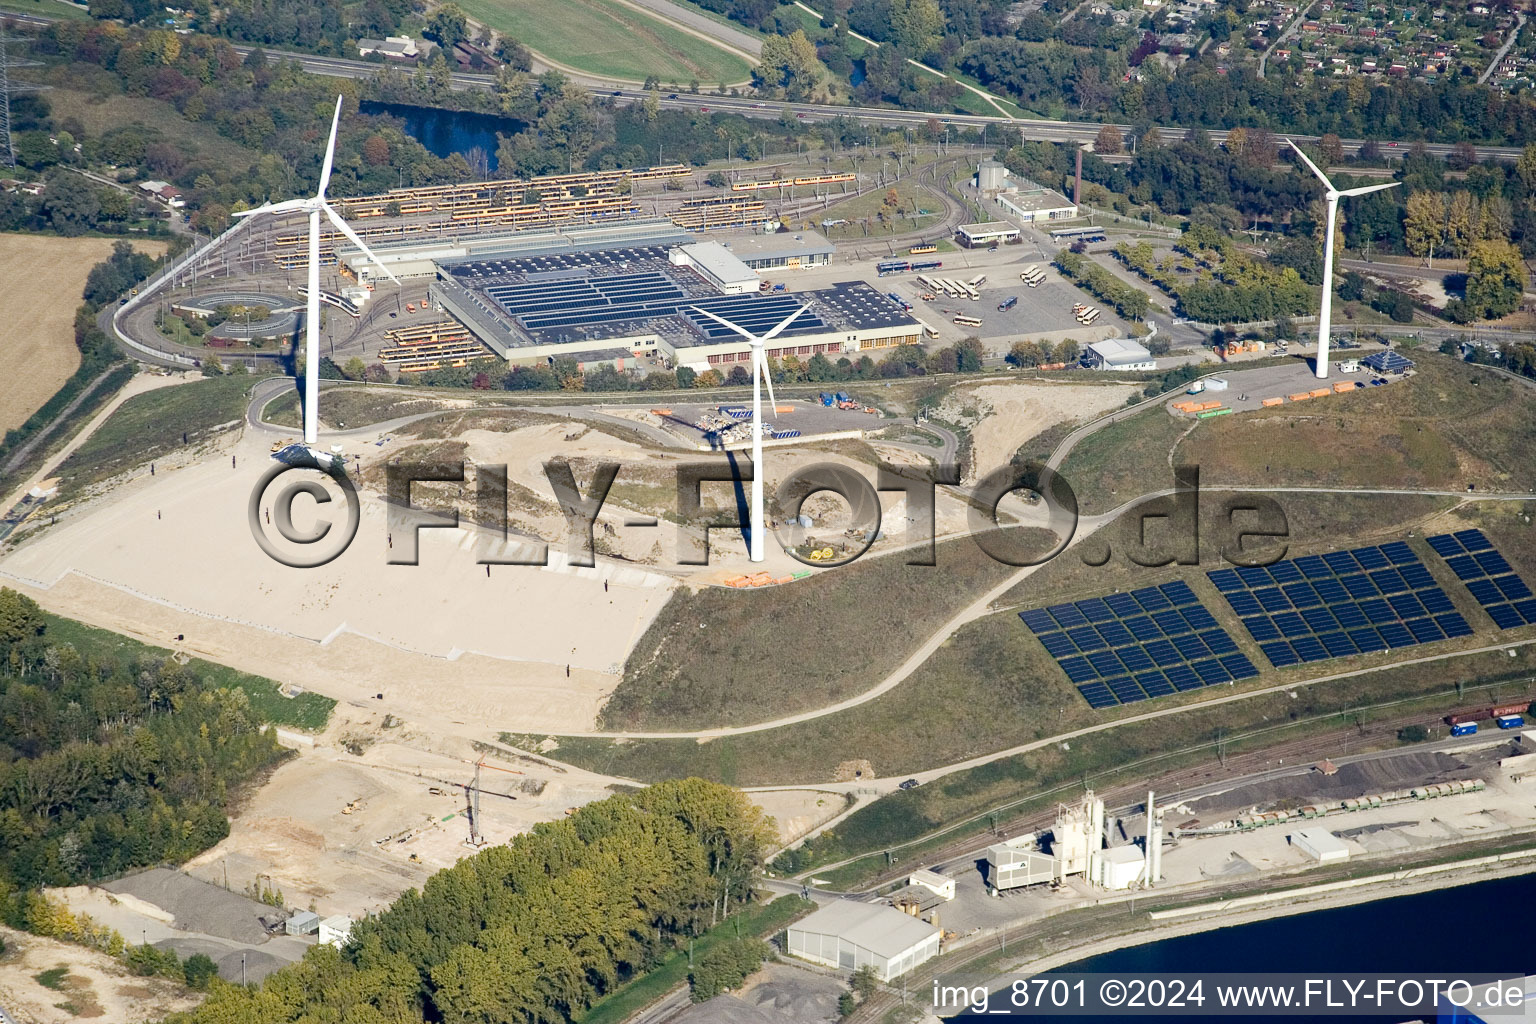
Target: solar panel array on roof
1388,361
1127,647
1488,577
1341,603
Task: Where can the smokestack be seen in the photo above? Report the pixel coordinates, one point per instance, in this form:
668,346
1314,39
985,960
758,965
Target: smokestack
1077,192
1154,839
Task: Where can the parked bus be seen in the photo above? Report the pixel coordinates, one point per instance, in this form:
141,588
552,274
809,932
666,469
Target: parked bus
903,303
1088,316
971,292
977,281
1082,234
1008,303
1032,276
928,265
968,321
892,267
922,250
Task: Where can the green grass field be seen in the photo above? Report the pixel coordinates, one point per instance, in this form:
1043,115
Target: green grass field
1124,460
44,8
604,37
151,425
308,711
345,408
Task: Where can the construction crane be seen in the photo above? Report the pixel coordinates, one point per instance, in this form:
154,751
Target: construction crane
472,792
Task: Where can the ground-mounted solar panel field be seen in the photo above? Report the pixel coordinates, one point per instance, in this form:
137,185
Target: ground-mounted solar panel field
1333,605
1488,577
1127,647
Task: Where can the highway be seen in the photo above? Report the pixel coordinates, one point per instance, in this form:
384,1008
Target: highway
1032,129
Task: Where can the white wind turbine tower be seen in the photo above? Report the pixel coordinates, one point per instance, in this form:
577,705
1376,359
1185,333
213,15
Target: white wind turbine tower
315,207
759,376
1333,196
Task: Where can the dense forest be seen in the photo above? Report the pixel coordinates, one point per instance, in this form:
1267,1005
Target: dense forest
533,931
109,764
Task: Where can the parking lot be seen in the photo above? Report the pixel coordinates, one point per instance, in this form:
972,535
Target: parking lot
1043,312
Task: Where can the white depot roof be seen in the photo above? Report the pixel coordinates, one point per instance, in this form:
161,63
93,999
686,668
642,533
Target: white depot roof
1123,855
720,262
883,930
1321,840
1120,350
990,227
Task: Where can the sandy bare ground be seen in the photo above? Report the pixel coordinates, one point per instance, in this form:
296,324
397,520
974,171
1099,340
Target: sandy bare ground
96,986
44,277
1007,415
797,811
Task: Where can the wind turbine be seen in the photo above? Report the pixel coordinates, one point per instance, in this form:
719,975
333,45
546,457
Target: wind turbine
315,207
1324,318
759,376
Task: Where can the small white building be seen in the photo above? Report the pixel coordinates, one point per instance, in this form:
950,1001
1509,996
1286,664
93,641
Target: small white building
988,233
395,47
1011,866
335,931
1118,867
848,935
1216,384
1120,354
1037,204
717,265
940,885
1320,844
305,922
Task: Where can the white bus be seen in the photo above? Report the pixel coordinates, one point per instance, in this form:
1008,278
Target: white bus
968,321
971,292
1088,316
978,281
1032,276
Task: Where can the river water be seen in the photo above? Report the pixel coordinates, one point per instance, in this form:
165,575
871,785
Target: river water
445,132
1480,928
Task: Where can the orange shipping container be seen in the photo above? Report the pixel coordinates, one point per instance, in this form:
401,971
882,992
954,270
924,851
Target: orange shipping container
783,408
1300,396
1209,405
1344,385
1272,401
1321,393
661,412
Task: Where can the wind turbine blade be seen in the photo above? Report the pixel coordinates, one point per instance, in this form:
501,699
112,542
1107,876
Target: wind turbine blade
792,317
286,206
1308,161
721,320
1370,188
330,151
761,355
355,239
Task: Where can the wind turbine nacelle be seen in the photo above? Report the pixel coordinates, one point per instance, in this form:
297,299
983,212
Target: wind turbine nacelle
308,457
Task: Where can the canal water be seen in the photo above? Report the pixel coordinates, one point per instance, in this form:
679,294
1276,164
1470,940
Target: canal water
445,132
1476,929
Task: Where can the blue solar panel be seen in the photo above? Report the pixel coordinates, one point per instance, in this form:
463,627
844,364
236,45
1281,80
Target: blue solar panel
1086,638
1505,616
1244,603
1512,587
1105,663
1279,653
1338,645
1319,620
1123,605
1225,580
1285,572
1389,581
1371,558
1126,690
1135,659
1407,606
1179,593
1485,591
1416,575
1171,622
1182,677
1399,552
1445,545
1261,628
1078,670
1143,628
1473,540
1067,615
1341,562
1218,641
1211,673
1453,624
1424,630
1301,594
1396,634
1115,634
1493,563
1378,611
1191,647
1154,683
1465,567
1271,599
1151,599
1199,618
1330,590
1359,585
1095,610
1308,648
1314,567
1254,576
1038,621
1163,652
1527,610
1239,666
1058,645
1349,615
1291,624
1098,696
